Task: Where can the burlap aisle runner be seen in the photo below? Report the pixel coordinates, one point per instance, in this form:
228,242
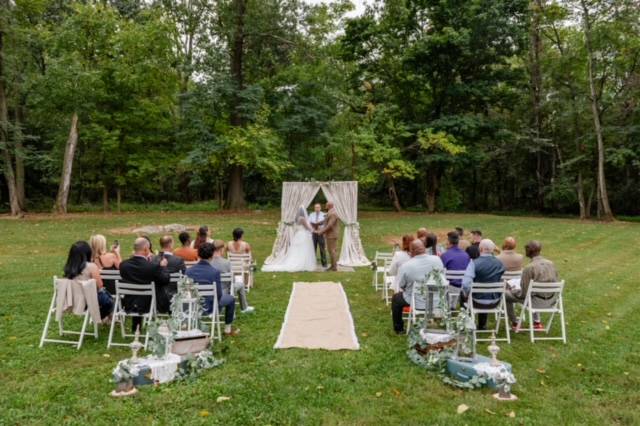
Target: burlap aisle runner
318,317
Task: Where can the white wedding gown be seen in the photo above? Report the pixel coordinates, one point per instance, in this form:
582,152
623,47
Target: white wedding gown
300,256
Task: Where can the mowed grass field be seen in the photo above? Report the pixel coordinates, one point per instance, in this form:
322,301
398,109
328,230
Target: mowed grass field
594,379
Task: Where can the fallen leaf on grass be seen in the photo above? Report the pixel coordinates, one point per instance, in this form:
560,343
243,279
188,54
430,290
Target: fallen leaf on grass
204,413
607,328
106,355
541,370
626,373
396,392
489,411
511,414
319,387
378,394
13,338
462,408
365,334
223,399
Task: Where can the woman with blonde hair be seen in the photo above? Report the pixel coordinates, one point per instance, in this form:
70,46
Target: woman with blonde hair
104,259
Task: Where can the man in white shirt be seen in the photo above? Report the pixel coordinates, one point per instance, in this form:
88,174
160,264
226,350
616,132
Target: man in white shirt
316,220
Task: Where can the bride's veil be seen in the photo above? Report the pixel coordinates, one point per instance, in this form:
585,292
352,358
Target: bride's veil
302,216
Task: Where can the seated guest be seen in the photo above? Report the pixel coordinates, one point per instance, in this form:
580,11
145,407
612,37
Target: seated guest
187,253
79,267
540,270
415,269
432,244
139,270
511,260
238,245
400,257
474,249
224,266
151,251
486,268
203,273
174,264
421,234
455,259
204,236
109,260
463,244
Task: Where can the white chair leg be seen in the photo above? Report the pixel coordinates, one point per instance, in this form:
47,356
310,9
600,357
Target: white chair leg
531,328
48,320
84,328
115,318
562,324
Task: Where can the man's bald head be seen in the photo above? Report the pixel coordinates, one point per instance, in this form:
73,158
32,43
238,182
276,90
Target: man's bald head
533,248
417,247
141,246
486,246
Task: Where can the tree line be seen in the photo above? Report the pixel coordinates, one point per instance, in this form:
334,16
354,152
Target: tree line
437,104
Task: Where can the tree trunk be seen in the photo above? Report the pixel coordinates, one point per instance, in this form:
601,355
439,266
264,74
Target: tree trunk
603,197
581,200
67,167
19,142
535,48
236,200
10,178
119,199
393,195
432,190
105,198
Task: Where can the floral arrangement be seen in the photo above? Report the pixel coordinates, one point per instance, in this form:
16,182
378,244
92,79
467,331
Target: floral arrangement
433,357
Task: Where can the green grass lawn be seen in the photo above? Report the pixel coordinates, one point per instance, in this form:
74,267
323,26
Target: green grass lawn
594,379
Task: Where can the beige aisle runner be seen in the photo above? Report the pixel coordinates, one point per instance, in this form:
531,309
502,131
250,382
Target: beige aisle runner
318,317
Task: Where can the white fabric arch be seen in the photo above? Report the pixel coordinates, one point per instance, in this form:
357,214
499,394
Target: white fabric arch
344,196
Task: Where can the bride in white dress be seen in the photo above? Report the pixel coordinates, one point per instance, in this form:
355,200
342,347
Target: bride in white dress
301,255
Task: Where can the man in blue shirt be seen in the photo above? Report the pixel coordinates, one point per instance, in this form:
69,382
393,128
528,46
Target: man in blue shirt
455,259
203,273
485,269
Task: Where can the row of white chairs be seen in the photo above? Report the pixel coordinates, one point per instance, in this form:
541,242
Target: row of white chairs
120,315
528,311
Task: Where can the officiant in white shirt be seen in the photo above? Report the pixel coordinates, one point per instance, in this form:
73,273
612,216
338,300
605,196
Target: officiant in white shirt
316,220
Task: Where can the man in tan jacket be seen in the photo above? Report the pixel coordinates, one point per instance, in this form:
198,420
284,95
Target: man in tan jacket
331,231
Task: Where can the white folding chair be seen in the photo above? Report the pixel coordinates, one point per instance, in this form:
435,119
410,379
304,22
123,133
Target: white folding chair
539,292
226,279
500,311
110,275
241,264
511,275
209,290
453,291
387,282
120,314
430,310
380,260
61,331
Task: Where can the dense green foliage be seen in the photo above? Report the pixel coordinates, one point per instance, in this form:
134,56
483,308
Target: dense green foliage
443,105
593,380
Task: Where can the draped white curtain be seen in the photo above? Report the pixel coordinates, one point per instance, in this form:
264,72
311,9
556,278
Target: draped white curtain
294,195
344,196
345,199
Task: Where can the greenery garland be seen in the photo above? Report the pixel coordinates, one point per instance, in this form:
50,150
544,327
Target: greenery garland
462,326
